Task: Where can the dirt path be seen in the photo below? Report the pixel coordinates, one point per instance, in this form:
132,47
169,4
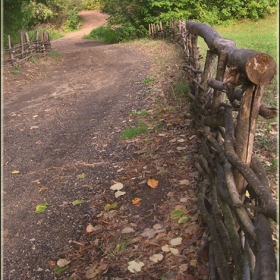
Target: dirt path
63,119
61,125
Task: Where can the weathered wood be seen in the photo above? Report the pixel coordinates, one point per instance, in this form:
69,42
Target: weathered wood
259,68
265,259
24,50
218,96
264,195
264,111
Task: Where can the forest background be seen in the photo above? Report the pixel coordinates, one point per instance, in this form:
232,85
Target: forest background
129,19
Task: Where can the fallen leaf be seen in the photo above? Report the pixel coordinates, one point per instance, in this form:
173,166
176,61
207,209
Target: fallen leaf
62,262
193,263
156,258
91,273
108,206
176,214
165,248
77,202
15,172
89,228
41,207
184,182
148,232
157,226
184,267
192,229
134,266
174,251
183,220
81,176
116,187
60,270
169,276
176,241
119,193
128,230
153,183
136,201
52,263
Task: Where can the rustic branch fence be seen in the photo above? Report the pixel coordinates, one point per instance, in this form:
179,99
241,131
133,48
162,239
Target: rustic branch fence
234,197
26,48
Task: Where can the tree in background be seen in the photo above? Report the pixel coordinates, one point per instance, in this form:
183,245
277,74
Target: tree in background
129,19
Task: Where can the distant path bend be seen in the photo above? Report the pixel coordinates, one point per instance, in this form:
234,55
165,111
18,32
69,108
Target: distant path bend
72,40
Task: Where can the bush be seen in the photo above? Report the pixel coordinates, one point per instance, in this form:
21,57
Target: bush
110,35
73,19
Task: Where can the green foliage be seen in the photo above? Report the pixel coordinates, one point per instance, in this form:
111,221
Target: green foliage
91,5
136,14
16,69
112,35
35,13
148,80
53,33
134,131
73,20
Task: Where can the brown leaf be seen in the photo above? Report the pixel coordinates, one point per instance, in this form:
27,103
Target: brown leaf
136,201
153,183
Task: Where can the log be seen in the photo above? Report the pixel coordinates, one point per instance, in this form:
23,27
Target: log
265,111
267,202
259,68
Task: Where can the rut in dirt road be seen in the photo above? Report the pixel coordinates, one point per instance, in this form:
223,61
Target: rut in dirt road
61,133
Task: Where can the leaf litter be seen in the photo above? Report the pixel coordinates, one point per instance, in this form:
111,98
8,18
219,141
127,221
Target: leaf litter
138,237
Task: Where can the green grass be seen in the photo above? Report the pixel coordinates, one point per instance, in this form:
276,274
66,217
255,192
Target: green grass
134,131
260,35
148,80
142,112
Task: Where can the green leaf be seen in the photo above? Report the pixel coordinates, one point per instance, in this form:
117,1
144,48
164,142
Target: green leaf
60,270
108,206
183,220
81,176
176,214
77,202
41,207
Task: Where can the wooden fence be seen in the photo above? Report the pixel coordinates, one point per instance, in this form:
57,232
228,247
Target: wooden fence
234,197
26,48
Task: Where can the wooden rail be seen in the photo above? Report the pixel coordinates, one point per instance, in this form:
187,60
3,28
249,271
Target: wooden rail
26,48
234,196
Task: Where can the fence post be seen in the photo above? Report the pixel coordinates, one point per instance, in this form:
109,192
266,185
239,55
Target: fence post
10,49
218,96
245,130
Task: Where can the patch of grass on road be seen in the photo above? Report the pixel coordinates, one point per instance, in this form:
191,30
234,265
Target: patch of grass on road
134,131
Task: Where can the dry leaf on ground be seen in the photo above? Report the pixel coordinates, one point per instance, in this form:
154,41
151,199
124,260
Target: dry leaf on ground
156,258
153,183
116,187
119,193
136,201
134,266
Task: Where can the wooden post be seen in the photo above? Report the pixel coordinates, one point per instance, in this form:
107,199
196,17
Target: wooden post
10,49
207,73
22,44
218,96
245,129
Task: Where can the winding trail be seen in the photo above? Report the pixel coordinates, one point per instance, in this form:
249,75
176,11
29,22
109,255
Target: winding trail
64,124
73,40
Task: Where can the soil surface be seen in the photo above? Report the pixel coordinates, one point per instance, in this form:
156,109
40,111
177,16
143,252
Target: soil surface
63,119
